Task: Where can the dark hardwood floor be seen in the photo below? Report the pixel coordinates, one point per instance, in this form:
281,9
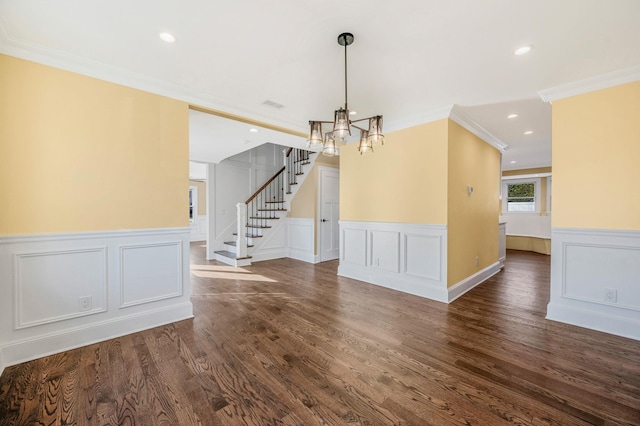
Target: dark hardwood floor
286,342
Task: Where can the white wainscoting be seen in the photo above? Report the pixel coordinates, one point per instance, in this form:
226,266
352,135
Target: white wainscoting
300,239
82,273
273,244
199,228
411,258
586,266
62,291
150,272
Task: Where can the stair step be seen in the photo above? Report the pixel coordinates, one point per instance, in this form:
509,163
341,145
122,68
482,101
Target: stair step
264,218
274,202
272,210
250,235
231,255
258,226
233,243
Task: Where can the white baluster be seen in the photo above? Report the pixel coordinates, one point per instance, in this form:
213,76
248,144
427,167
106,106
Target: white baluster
287,185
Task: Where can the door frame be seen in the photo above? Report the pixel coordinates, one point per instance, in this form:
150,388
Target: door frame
321,170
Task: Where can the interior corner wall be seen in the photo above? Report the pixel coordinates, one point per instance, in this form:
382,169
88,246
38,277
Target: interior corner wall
595,253
94,236
305,203
472,219
393,212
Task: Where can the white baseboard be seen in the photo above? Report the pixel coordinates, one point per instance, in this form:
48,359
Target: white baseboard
472,281
397,282
60,291
596,318
270,254
67,339
303,255
588,264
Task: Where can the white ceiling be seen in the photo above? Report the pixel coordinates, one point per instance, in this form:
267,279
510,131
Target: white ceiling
409,58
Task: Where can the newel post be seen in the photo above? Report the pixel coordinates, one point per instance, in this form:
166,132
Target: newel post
241,232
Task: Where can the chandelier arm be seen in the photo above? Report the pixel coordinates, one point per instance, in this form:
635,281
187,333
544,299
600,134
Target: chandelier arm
362,119
359,128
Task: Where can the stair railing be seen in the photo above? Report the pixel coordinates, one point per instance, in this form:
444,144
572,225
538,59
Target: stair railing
253,215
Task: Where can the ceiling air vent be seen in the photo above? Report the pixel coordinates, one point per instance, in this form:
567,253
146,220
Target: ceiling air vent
272,104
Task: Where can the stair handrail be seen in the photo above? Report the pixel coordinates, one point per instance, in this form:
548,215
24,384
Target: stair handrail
274,177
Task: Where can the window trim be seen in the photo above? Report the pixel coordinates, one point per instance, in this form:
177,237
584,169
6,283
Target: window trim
505,191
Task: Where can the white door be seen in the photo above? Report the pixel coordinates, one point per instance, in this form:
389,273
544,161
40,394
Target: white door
329,213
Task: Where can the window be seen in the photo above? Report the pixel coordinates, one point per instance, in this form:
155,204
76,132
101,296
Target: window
193,203
521,196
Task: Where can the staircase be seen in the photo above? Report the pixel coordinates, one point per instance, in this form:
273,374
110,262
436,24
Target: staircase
261,218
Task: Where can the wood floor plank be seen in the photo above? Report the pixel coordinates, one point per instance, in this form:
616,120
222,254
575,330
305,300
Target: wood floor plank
284,342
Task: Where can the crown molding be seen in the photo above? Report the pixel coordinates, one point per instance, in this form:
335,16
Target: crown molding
95,69
417,119
101,71
465,121
590,84
454,113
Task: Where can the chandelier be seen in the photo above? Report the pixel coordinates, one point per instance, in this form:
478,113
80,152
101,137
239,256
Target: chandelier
342,123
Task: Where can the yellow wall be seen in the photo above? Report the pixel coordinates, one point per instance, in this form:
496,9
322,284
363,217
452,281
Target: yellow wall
596,159
305,203
472,220
80,154
404,181
202,196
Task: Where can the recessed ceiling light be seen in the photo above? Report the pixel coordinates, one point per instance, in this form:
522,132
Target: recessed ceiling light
167,37
528,132
352,112
522,50
512,115
253,130
512,161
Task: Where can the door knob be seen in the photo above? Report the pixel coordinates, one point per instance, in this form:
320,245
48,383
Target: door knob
325,220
